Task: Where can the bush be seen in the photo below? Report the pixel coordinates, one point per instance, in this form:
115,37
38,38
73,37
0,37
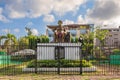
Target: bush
63,63
22,58
76,40
116,51
43,39
72,40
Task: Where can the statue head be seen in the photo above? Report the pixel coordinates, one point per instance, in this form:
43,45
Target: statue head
60,22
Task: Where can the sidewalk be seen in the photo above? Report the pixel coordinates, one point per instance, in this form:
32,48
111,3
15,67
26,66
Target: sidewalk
58,77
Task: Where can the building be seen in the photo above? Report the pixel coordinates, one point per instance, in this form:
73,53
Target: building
113,37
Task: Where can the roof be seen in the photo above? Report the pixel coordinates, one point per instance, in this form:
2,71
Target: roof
24,52
70,26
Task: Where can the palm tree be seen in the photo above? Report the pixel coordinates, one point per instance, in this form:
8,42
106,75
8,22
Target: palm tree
10,40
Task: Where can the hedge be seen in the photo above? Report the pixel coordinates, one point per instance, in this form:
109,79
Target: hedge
63,63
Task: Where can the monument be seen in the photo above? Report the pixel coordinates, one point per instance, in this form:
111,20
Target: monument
61,45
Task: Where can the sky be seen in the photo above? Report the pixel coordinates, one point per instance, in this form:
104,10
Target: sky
15,15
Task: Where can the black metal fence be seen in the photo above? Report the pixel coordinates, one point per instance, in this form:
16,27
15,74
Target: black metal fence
59,58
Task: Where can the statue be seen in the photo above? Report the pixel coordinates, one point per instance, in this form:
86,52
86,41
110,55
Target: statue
60,34
67,37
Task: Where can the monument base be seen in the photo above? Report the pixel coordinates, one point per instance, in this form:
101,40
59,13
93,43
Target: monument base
49,51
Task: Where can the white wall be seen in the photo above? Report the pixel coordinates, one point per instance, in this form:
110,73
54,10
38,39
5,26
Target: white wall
72,53
47,51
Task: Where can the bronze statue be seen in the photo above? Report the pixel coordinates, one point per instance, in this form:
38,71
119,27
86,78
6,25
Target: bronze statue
60,34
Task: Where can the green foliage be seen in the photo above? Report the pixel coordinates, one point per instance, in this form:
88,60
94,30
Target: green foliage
101,35
10,39
23,42
76,39
43,39
88,42
72,40
32,41
116,51
10,42
63,63
22,58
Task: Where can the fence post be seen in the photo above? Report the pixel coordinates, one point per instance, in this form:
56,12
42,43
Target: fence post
58,71
80,57
36,57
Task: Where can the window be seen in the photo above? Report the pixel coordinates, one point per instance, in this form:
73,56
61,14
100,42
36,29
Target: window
115,34
59,52
110,35
116,43
116,38
115,30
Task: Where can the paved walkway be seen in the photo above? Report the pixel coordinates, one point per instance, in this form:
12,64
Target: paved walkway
58,77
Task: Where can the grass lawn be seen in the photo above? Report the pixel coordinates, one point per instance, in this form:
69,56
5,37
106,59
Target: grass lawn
12,69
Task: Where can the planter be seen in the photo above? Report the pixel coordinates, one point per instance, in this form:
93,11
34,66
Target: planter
84,69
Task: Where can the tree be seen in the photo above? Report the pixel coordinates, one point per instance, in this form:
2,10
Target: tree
32,41
88,43
23,42
10,41
101,35
88,40
29,32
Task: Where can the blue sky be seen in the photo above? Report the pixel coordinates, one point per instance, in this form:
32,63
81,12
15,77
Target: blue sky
36,14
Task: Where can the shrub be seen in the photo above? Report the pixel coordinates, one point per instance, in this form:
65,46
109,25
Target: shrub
23,58
76,40
43,39
72,40
63,63
116,51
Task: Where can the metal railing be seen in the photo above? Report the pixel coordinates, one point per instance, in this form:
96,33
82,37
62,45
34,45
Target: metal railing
60,58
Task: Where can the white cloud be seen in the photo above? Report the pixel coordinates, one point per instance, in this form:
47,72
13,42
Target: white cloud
104,12
63,6
37,8
35,32
81,20
2,17
6,30
105,9
49,18
16,30
29,24
68,22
